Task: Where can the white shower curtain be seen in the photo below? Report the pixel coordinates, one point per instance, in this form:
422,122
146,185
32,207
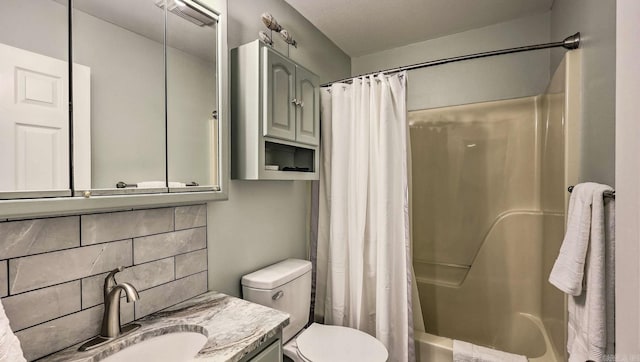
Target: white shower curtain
363,277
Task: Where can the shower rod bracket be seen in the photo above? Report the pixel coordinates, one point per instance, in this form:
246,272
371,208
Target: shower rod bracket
572,42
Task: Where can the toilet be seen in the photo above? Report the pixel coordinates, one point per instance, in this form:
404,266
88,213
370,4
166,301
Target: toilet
286,286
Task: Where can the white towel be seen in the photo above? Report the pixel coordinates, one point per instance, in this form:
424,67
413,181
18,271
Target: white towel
467,352
151,184
588,277
10,350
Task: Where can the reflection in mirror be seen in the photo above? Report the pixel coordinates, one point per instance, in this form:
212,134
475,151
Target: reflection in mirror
191,96
34,94
120,44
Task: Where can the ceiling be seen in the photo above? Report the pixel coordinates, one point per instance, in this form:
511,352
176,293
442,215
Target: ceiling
362,27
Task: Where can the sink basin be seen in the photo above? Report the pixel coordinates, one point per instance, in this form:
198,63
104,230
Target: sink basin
173,347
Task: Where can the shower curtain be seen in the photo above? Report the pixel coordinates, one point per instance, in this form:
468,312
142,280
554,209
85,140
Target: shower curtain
363,275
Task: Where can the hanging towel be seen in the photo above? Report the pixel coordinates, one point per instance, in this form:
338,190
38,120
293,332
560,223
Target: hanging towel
584,270
467,352
10,350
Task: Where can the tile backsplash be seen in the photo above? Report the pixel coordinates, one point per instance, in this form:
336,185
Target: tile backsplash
52,270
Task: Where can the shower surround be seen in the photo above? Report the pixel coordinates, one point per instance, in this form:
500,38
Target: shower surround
488,199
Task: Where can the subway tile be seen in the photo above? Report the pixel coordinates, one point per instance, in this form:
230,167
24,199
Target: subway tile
143,276
46,338
166,295
191,263
26,237
28,309
4,279
191,216
127,311
163,245
37,271
37,341
99,228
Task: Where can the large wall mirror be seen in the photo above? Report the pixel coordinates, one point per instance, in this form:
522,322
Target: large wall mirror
144,97
34,99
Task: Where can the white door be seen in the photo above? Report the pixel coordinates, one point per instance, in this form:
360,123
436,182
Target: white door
34,121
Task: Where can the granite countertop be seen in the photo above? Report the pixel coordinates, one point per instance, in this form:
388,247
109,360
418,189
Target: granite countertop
234,328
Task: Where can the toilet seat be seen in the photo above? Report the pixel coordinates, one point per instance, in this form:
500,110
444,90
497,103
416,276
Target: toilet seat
320,343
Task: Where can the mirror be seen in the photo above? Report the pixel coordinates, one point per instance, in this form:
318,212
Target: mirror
145,112
144,97
192,109
34,98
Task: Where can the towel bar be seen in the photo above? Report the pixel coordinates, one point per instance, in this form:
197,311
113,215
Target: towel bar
611,194
122,184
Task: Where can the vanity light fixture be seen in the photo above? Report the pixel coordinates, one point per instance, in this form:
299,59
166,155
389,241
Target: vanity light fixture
265,38
270,22
190,10
288,38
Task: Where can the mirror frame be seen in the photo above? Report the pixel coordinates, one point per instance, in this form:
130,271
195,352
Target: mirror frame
38,207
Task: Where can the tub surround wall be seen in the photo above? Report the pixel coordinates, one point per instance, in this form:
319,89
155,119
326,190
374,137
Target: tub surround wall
560,155
52,270
496,205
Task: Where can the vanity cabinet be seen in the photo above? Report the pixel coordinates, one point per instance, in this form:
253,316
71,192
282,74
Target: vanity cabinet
273,353
275,116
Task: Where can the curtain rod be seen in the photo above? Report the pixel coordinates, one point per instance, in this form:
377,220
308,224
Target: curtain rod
570,42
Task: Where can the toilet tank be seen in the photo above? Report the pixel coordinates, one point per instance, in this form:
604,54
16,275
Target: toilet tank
285,286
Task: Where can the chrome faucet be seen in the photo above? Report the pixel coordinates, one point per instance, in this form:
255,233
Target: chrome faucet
111,328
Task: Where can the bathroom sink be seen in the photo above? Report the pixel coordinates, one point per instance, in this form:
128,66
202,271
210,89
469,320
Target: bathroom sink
173,347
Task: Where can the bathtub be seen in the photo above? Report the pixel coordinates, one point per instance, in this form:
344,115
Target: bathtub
432,348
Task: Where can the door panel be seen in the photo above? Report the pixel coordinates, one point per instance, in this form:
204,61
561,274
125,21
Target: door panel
308,112
279,92
38,157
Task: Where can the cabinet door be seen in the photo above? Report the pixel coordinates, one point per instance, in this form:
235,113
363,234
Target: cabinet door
273,353
308,110
278,96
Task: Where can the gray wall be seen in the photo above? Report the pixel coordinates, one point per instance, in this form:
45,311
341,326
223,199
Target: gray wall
502,77
266,221
596,20
52,270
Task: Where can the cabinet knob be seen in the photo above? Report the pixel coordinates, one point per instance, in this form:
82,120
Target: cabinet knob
301,104
294,101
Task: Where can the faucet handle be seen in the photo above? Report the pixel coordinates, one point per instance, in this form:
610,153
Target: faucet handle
112,274
110,280
115,271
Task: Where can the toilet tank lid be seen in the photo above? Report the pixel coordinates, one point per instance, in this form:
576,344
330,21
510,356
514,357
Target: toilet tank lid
277,274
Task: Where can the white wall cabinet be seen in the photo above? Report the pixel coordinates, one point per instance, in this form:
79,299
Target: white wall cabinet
275,116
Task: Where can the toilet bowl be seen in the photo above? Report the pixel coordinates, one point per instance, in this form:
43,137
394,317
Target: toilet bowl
286,286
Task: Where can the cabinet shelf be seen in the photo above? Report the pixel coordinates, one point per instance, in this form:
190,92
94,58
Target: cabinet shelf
275,116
